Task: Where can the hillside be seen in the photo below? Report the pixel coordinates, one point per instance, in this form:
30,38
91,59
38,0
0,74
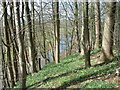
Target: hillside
70,73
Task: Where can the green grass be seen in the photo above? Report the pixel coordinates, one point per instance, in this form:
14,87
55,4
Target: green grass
97,84
95,51
70,72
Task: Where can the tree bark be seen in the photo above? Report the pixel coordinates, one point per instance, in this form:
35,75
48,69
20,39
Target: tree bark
31,42
9,60
54,43
33,30
82,34
86,41
5,81
117,32
20,40
43,33
76,25
15,59
57,28
107,41
97,25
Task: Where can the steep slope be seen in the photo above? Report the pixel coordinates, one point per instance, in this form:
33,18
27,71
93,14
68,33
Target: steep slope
70,73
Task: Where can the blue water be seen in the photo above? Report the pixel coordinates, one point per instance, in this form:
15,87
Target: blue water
63,45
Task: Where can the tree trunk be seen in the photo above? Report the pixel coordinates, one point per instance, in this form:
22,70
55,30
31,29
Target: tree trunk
43,33
97,25
107,41
117,31
5,81
92,25
9,60
53,11
15,59
57,28
76,25
31,42
20,40
33,30
2,63
66,32
86,41
82,34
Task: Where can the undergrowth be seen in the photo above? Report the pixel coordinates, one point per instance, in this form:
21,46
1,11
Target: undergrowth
70,72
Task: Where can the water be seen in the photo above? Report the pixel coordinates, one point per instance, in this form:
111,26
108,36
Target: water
63,47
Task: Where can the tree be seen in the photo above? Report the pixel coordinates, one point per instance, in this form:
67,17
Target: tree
82,30
7,36
107,41
15,47
54,37
86,42
20,40
2,64
117,30
57,28
43,33
33,30
31,41
97,25
76,25
92,24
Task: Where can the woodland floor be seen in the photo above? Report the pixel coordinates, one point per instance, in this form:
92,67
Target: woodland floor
70,73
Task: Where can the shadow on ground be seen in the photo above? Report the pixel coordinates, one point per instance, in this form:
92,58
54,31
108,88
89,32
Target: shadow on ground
75,80
54,77
84,78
